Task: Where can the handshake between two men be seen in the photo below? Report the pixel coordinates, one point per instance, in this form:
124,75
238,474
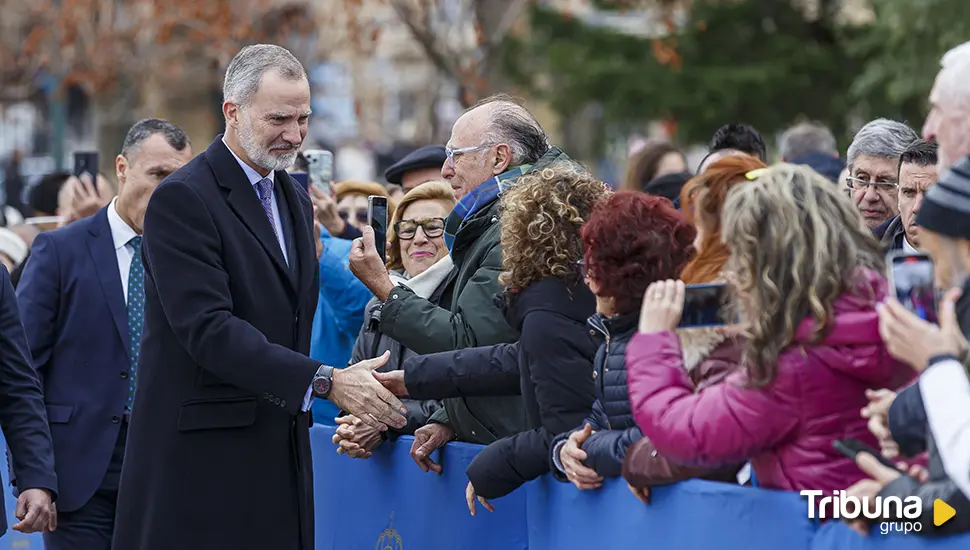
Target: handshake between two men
371,407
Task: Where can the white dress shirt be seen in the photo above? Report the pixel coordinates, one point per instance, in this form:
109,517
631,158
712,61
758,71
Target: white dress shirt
121,235
908,248
946,397
255,178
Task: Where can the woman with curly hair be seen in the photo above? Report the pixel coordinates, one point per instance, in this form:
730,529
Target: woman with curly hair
631,240
806,276
546,301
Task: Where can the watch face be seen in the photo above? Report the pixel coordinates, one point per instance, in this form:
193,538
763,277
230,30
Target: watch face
321,385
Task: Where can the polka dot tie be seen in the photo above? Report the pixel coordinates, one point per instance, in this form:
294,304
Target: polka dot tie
136,314
264,188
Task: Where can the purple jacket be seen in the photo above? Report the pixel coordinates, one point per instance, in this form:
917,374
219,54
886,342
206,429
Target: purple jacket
785,429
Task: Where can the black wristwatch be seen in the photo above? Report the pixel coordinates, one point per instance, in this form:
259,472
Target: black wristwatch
322,382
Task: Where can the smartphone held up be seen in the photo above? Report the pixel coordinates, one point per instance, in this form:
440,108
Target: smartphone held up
86,164
913,283
706,305
377,220
319,169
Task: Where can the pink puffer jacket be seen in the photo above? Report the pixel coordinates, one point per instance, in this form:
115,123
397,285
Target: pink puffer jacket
785,429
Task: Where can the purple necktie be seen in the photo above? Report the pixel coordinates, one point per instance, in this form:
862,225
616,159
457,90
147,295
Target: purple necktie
265,191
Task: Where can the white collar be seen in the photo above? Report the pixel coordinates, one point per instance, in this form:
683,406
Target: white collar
253,175
121,232
908,248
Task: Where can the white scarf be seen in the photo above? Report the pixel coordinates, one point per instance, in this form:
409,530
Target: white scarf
426,283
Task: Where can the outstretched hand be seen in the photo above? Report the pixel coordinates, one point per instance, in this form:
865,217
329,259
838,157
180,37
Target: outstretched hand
393,381
356,391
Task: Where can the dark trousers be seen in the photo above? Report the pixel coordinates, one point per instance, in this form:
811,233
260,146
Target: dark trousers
90,527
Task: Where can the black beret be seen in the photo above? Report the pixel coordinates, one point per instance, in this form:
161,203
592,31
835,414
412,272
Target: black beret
429,156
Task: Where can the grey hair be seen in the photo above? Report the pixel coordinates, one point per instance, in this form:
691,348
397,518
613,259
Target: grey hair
246,70
955,73
881,138
512,124
148,127
805,138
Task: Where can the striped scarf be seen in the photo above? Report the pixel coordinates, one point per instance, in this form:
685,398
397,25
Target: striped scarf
479,198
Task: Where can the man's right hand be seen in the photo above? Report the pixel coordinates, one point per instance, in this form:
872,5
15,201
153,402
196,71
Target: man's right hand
877,411
355,390
426,440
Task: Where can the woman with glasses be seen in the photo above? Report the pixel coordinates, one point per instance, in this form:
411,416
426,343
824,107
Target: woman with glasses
545,300
417,258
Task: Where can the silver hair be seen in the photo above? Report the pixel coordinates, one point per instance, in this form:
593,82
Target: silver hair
512,124
248,66
881,138
807,137
955,74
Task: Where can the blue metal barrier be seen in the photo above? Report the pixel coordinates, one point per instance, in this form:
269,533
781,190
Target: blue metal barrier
357,499
387,503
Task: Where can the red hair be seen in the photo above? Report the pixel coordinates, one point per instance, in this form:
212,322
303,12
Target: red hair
631,240
702,200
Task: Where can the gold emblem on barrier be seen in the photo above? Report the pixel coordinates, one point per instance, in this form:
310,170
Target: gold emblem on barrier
389,538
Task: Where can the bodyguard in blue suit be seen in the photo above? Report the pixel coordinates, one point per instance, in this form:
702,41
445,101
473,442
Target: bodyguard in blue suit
82,295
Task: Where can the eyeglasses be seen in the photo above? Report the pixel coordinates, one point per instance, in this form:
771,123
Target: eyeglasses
359,215
581,265
407,229
859,184
451,153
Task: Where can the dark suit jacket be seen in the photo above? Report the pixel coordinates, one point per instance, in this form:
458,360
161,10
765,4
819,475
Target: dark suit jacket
218,451
22,414
76,321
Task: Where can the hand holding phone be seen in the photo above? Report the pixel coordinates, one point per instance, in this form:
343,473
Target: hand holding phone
912,281
377,219
852,447
86,163
705,306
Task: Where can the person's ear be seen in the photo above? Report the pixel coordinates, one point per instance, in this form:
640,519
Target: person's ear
121,170
231,112
503,159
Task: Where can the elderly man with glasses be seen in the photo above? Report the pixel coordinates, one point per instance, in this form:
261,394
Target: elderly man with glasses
873,159
491,146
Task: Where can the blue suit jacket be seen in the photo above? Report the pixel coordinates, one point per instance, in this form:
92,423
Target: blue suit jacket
22,415
77,327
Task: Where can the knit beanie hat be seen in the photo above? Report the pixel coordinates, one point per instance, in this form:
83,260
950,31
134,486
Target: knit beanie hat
946,206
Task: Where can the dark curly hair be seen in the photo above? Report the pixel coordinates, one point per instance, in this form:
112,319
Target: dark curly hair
633,240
